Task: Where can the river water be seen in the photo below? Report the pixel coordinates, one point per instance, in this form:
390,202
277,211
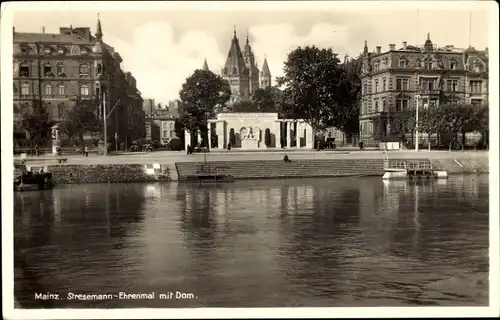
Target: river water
275,243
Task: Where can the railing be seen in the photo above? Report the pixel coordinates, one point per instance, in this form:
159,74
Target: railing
407,164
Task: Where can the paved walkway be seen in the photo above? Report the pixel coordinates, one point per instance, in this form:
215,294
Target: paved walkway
166,157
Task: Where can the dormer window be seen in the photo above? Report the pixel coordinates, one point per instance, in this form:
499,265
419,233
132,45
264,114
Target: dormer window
376,67
47,50
84,51
84,69
428,64
453,65
24,49
61,50
402,63
47,69
477,67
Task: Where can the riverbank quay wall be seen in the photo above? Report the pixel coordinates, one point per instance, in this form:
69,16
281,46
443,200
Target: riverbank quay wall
255,169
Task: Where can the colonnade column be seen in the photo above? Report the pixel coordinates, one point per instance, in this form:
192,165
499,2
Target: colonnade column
309,137
288,134
209,135
221,134
187,139
277,135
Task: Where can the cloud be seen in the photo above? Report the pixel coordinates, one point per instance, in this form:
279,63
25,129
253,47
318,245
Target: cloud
162,65
275,41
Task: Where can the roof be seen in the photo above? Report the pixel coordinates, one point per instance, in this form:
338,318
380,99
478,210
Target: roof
50,37
265,69
235,64
205,66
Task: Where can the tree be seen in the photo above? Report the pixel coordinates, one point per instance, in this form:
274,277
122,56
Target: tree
317,88
483,124
244,106
431,121
201,95
179,130
350,123
267,99
37,125
459,118
81,120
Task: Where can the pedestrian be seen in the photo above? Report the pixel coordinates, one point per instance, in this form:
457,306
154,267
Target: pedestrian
188,148
86,151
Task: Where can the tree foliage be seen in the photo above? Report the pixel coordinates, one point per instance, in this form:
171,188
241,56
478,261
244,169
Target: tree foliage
179,130
201,95
319,89
37,124
81,120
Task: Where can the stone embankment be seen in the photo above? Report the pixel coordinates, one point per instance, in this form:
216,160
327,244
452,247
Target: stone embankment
258,169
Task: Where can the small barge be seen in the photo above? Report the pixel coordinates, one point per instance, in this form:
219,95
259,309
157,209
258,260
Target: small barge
411,169
31,179
208,173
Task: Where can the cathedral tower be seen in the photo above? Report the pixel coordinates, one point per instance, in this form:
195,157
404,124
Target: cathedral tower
236,72
265,76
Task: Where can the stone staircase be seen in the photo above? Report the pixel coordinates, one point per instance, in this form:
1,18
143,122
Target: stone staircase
293,169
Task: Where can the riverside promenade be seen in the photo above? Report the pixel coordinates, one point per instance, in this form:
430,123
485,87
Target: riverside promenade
172,157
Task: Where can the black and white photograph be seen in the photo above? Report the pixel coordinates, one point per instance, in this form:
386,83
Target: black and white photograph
258,159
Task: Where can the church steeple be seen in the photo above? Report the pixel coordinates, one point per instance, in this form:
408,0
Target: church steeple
365,49
265,75
235,63
205,65
98,33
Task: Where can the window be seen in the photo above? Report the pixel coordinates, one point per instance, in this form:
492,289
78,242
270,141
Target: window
376,106
60,69
84,90
363,108
453,65
383,107
428,64
476,102
165,133
61,50
25,89
383,84
171,125
368,108
376,67
47,68
365,88
48,89
24,71
402,84
401,105
60,110
477,67
84,69
475,86
99,69
62,90
376,86
452,85
402,63
427,84
172,133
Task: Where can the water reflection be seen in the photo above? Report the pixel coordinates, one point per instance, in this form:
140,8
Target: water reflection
309,242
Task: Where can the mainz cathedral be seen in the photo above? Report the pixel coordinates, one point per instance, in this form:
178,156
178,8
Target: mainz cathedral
242,72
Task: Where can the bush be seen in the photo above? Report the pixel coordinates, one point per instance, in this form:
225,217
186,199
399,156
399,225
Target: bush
176,145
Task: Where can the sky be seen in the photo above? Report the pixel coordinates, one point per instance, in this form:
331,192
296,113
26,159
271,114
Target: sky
162,46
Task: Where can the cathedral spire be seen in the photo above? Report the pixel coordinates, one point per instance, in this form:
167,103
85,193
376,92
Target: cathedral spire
98,33
247,37
365,49
234,32
265,69
205,65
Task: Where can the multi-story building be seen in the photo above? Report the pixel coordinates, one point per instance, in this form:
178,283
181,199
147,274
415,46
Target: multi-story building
242,72
148,105
392,79
160,124
59,70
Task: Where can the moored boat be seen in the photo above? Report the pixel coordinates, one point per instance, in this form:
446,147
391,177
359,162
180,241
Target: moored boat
28,180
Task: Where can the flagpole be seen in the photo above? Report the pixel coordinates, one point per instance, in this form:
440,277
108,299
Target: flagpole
105,116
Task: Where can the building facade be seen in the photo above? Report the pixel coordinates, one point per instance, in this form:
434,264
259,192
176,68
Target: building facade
242,72
392,79
160,123
59,70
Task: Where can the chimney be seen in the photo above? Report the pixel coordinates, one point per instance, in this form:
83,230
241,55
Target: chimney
43,29
379,49
404,45
392,47
13,29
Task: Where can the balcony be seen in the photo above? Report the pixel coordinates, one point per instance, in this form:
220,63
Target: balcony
430,92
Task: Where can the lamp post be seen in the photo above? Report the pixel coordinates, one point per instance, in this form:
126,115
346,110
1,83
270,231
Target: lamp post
105,116
417,100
